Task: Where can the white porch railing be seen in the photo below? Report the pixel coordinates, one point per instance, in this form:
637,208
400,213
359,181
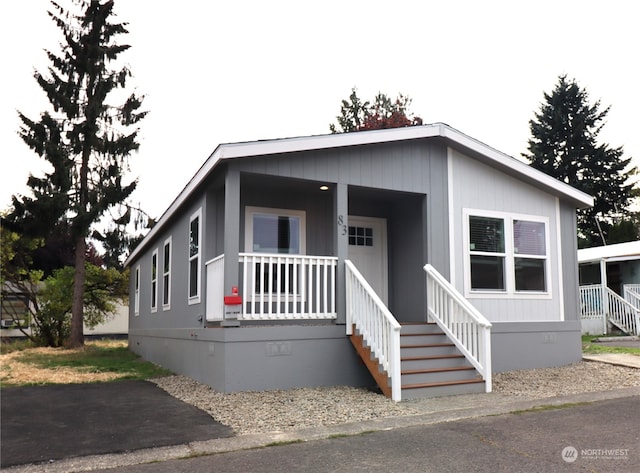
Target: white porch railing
632,294
591,302
288,287
597,302
377,326
215,289
463,323
276,287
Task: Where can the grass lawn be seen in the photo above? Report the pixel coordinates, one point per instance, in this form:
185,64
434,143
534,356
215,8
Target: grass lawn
98,361
595,348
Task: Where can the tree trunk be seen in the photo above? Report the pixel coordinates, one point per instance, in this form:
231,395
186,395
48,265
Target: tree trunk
76,337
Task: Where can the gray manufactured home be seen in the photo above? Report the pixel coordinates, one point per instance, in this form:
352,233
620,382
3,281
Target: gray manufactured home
418,259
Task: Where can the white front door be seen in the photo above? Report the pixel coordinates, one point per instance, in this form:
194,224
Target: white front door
368,251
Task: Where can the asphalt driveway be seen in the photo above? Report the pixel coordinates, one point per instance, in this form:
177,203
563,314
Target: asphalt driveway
44,423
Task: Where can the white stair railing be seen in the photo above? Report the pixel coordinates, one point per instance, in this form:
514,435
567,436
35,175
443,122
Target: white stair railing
375,323
463,323
632,294
623,314
597,303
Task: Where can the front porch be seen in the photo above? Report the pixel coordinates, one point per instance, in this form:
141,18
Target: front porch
453,354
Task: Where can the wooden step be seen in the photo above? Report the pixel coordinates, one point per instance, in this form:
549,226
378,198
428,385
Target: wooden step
443,383
448,388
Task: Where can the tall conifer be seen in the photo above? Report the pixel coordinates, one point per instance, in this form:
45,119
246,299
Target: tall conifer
86,136
564,144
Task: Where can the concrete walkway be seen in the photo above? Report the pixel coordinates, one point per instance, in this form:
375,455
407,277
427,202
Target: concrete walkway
620,359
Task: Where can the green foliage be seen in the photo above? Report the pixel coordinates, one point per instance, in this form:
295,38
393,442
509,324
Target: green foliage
564,144
383,112
86,136
103,288
592,347
19,281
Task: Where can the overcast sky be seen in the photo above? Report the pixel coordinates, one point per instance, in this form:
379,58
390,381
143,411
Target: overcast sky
227,71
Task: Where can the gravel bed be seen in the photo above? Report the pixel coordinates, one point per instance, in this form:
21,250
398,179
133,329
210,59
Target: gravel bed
292,409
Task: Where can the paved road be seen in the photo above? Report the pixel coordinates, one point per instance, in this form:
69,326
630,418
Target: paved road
604,434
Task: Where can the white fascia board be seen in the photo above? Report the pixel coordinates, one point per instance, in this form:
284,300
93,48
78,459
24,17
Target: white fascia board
617,252
339,140
280,146
518,167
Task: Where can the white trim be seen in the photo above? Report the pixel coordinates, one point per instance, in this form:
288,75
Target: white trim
559,260
169,242
196,298
154,283
136,291
250,211
452,230
510,291
337,140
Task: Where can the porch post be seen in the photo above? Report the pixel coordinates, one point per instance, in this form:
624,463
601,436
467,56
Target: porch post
231,232
341,245
605,294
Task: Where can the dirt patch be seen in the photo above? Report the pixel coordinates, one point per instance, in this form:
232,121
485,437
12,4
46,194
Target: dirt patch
15,371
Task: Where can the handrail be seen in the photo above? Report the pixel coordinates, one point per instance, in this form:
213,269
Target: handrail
375,323
632,294
608,305
289,287
623,313
461,321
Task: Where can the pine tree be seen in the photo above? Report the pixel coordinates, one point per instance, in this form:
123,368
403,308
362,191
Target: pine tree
87,137
564,144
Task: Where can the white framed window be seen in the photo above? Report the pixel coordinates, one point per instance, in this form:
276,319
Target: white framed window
506,254
195,250
275,231
136,291
166,275
154,281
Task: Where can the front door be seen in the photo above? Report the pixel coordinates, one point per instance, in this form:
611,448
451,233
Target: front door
368,251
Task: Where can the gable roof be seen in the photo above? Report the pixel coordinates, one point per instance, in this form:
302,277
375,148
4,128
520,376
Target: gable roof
452,136
618,252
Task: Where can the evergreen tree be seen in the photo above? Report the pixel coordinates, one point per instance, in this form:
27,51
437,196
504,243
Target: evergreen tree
87,137
564,144
356,115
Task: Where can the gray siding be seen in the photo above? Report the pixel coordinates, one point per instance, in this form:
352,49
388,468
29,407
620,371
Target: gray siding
180,314
480,187
409,184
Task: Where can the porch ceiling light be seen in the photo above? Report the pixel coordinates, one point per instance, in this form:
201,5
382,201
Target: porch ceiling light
324,187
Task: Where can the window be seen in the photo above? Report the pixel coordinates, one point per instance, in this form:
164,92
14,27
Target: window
360,236
530,250
195,233
507,253
166,275
154,281
274,231
487,255
136,297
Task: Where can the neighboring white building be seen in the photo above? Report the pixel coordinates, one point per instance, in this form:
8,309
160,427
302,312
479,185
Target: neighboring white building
613,270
